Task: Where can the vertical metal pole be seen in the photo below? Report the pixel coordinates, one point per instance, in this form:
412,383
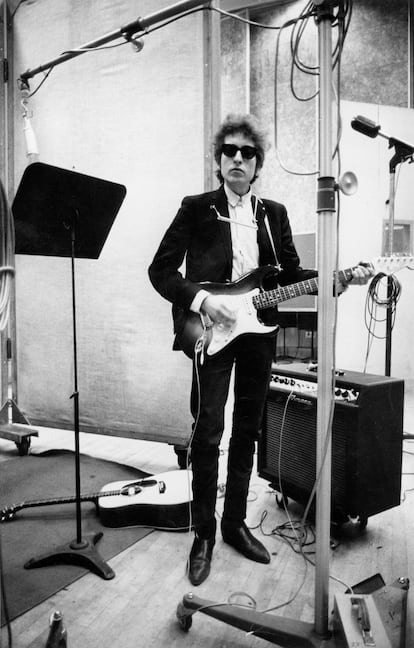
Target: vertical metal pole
389,313
75,396
8,337
326,248
4,178
212,88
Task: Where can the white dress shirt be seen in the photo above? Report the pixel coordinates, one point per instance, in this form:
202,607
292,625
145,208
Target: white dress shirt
243,229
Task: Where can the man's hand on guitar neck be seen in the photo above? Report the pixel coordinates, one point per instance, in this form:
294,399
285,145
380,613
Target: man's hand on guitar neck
362,273
221,309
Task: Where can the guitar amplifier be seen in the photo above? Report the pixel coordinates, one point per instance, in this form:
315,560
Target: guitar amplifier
367,434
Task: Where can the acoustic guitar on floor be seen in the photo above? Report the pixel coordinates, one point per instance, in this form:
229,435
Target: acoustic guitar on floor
199,331
158,501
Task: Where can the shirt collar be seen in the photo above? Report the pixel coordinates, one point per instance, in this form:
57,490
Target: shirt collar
233,198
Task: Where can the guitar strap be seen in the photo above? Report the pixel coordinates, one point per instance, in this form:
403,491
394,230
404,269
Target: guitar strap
269,233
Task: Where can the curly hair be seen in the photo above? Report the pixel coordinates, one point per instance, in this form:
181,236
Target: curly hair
248,126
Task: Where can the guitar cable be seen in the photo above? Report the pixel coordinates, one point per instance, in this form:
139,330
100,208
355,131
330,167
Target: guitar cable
198,358
374,302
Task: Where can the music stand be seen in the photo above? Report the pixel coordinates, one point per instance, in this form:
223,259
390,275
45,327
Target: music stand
63,213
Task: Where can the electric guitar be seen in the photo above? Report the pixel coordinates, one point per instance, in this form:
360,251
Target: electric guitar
200,331
160,501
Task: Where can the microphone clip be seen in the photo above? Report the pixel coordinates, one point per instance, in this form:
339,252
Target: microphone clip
136,42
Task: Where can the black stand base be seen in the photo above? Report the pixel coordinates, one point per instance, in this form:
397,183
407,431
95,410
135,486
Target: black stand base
389,621
81,553
276,630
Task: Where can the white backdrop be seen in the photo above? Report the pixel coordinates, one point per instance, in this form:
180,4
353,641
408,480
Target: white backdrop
134,119
137,119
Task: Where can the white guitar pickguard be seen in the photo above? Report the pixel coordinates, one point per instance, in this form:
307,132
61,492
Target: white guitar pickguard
246,322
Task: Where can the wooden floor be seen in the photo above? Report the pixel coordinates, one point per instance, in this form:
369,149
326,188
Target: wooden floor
137,609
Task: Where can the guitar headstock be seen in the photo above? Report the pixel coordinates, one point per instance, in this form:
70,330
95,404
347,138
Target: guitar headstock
392,264
8,513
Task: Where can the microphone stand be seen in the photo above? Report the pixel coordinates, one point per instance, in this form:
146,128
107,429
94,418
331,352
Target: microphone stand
403,152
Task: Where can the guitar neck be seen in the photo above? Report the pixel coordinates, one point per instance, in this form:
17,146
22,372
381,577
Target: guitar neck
92,497
128,489
270,298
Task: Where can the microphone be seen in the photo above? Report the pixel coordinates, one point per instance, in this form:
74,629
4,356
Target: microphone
365,126
32,149
403,151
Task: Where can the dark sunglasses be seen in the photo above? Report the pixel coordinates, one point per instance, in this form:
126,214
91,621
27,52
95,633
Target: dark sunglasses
230,150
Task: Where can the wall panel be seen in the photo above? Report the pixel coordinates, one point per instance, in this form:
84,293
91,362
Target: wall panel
135,119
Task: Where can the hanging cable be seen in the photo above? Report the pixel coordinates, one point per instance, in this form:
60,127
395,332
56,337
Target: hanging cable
6,259
298,65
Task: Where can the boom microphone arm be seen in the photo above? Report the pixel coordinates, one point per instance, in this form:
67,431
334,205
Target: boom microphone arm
137,26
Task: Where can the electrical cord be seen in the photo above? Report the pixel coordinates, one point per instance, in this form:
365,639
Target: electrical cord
299,25
375,301
6,259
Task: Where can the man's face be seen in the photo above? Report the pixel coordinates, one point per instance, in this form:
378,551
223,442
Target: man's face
238,170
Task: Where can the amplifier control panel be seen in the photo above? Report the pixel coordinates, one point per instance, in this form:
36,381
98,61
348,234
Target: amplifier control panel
301,386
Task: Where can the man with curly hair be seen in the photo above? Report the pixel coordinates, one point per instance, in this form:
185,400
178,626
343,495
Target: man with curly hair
222,235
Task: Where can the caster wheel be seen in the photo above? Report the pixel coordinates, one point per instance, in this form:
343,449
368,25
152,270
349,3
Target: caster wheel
354,526
363,521
23,446
185,620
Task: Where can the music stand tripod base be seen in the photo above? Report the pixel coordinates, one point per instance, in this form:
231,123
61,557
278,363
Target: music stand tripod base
63,213
82,554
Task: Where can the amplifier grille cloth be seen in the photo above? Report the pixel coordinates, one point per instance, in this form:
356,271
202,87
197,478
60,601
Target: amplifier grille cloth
297,463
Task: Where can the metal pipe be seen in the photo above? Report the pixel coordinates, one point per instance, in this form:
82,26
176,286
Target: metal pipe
326,247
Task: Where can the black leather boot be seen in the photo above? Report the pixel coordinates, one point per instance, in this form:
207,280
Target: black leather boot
239,536
200,559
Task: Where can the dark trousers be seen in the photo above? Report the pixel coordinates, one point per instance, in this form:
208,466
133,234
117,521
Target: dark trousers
252,358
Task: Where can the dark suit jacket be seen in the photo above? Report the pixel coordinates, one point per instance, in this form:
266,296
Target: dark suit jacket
204,242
